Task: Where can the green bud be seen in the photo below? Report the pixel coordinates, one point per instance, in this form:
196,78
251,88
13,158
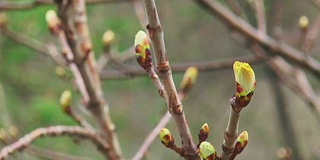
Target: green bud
303,22
244,77
166,137
243,139
240,143
207,151
53,21
189,79
65,100
108,37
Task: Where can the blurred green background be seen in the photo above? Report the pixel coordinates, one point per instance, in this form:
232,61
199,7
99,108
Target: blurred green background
32,89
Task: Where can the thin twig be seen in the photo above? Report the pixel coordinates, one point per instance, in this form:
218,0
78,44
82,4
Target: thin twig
124,55
236,8
8,5
173,102
54,155
311,36
47,49
261,18
75,71
156,82
287,128
5,117
55,131
6,124
139,10
104,58
155,132
82,122
230,134
316,3
114,56
277,20
152,136
205,66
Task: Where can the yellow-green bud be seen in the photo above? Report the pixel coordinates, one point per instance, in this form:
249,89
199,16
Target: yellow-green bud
141,39
189,79
243,139
108,37
205,128
303,22
53,21
207,151
166,137
245,78
65,100
240,144
204,132
142,48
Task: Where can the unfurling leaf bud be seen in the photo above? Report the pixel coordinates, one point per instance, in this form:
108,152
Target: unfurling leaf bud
245,78
53,21
142,48
207,151
166,137
3,19
240,143
65,101
204,132
189,79
108,37
303,22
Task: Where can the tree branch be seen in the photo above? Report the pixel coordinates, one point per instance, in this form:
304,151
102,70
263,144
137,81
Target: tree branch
230,135
260,16
287,129
172,100
74,23
8,5
152,136
47,49
55,131
50,154
206,66
155,132
274,46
